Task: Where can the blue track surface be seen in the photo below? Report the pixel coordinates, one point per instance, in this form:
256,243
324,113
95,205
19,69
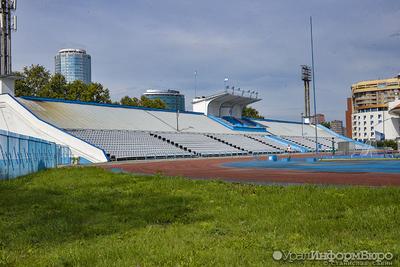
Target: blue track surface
382,166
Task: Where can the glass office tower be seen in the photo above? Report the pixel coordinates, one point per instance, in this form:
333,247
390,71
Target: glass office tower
74,64
173,99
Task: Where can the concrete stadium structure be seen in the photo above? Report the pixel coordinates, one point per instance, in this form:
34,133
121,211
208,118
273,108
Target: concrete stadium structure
102,132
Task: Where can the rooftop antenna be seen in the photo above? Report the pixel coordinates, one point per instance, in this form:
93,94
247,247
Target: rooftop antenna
8,24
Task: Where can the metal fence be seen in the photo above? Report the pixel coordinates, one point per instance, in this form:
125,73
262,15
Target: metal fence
21,155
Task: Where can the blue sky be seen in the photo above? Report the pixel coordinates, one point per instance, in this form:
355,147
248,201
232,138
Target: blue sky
258,44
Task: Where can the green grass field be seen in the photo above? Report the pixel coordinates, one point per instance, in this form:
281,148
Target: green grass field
90,217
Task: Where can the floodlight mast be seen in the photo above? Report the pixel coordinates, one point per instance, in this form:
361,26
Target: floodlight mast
8,23
306,77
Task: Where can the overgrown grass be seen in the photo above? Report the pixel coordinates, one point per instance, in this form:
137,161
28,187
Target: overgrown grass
90,217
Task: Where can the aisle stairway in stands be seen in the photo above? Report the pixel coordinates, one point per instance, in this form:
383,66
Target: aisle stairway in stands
245,143
201,145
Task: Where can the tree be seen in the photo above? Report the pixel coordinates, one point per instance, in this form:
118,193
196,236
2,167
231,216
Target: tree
387,143
158,103
76,91
251,113
31,80
152,103
326,124
96,92
35,80
128,101
143,102
55,88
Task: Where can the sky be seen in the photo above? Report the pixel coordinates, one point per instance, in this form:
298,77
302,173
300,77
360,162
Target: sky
258,44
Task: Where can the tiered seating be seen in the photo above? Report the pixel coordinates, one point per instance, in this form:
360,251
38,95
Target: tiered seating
231,120
125,144
327,141
200,144
248,122
269,142
246,143
239,122
307,142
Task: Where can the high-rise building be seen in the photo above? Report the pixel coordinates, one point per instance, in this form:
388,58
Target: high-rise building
370,106
74,64
173,99
337,127
319,118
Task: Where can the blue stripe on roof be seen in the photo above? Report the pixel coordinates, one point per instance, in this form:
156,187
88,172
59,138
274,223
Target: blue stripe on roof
43,99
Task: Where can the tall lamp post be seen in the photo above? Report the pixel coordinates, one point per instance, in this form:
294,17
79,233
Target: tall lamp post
177,112
225,83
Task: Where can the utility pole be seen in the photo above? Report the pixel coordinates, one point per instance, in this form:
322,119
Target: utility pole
8,23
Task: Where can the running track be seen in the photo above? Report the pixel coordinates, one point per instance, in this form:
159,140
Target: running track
213,169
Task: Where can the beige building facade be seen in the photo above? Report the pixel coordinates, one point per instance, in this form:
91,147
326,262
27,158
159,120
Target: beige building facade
370,102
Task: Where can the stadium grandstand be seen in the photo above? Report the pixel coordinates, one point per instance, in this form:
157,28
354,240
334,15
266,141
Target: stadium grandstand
106,132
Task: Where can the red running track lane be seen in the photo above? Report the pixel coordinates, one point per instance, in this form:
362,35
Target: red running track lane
213,169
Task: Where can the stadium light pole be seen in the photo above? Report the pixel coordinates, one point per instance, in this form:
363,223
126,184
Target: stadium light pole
313,85
302,122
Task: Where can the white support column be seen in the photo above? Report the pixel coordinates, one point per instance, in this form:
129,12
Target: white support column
7,85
